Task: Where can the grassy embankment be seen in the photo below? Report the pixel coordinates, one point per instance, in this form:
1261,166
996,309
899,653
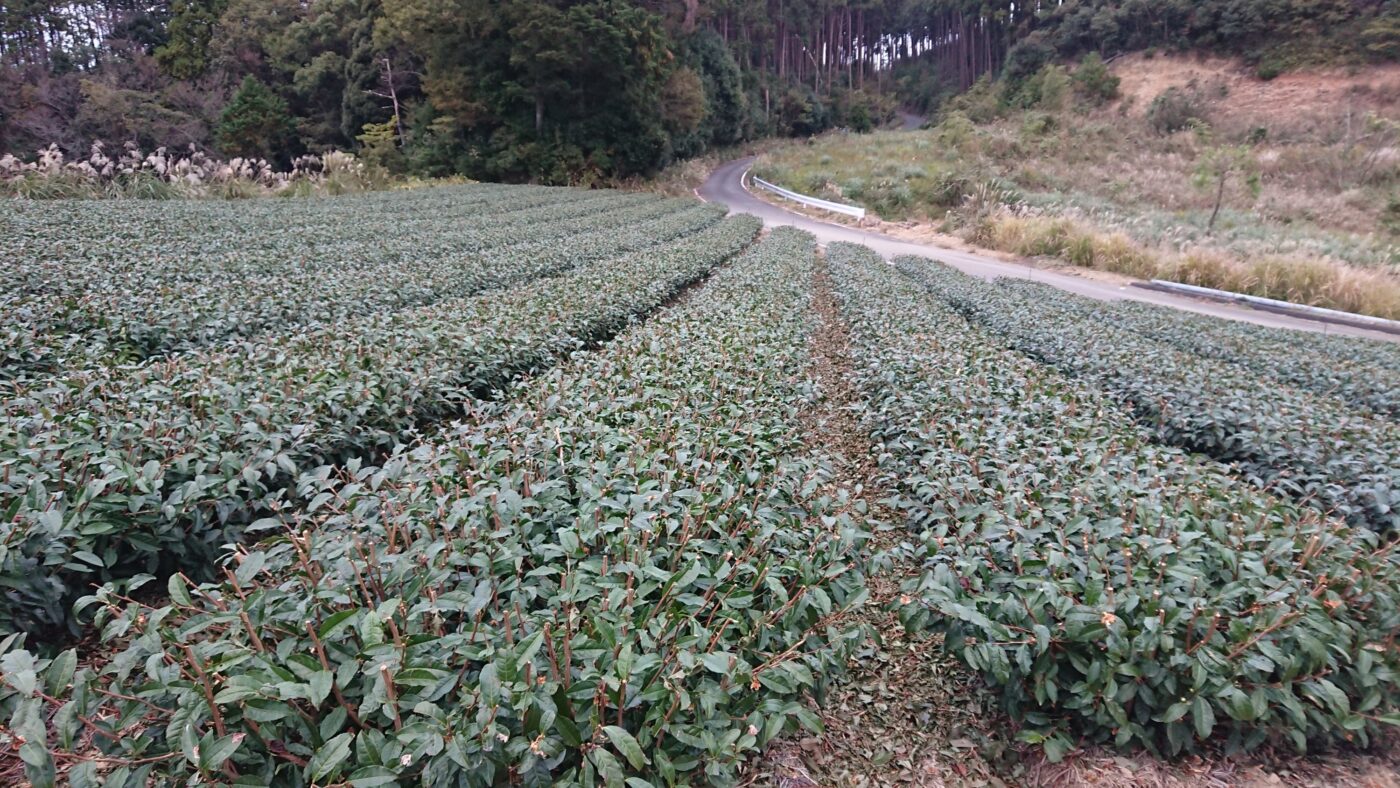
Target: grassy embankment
1310,209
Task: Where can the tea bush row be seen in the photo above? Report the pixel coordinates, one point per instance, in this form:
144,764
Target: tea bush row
188,240
141,310
154,470
619,575
1363,374
68,253
1291,441
1110,589
122,326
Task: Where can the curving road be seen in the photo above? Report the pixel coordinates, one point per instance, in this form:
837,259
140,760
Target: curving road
727,185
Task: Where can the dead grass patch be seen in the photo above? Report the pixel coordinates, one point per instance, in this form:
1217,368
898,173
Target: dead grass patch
1304,280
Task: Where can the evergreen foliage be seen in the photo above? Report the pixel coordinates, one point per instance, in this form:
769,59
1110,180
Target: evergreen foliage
186,54
256,124
559,91
1093,82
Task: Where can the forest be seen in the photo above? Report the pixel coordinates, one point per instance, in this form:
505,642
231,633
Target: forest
556,91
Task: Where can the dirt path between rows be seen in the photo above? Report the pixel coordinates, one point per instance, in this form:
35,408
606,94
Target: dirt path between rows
907,714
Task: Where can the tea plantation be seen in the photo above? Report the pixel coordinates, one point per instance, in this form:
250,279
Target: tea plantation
490,485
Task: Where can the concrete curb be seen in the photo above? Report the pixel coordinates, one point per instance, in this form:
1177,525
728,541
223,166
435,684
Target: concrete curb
1302,311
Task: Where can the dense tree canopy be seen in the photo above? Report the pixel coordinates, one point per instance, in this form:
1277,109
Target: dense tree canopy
256,124
578,90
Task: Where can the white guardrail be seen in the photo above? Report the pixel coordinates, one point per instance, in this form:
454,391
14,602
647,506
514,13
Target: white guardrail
825,205
1349,318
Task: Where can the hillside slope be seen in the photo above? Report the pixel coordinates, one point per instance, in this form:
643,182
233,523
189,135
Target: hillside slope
1308,208
1290,98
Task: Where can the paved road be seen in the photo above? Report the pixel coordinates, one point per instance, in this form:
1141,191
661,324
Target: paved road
726,185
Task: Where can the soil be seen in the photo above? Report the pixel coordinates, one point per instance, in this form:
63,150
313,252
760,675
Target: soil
1284,98
905,713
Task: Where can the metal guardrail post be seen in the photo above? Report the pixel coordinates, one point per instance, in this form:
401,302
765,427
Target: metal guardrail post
826,205
1282,307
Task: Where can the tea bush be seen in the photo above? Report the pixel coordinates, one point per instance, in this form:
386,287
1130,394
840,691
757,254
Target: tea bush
467,487
1281,438
129,307
1358,372
1110,589
114,473
619,574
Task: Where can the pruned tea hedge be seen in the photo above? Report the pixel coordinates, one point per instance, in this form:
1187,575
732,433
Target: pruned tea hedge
109,475
1108,588
123,307
1358,372
1282,438
497,485
621,573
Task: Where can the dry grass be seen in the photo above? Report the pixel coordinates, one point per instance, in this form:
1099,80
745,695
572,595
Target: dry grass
1327,200
1100,189
1294,101
1307,280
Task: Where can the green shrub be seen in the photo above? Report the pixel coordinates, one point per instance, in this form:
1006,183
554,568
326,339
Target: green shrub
1094,84
379,145
1026,58
1048,89
886,197
1331,366
1038,124
1176,109
1268,69
1390,215
1141,622
1294,443
955,131
167,463
861,111
802,113
981,103
126,308
816,182
1382,35
257,124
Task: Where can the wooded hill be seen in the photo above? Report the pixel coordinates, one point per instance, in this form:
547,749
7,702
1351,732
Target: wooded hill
559,91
